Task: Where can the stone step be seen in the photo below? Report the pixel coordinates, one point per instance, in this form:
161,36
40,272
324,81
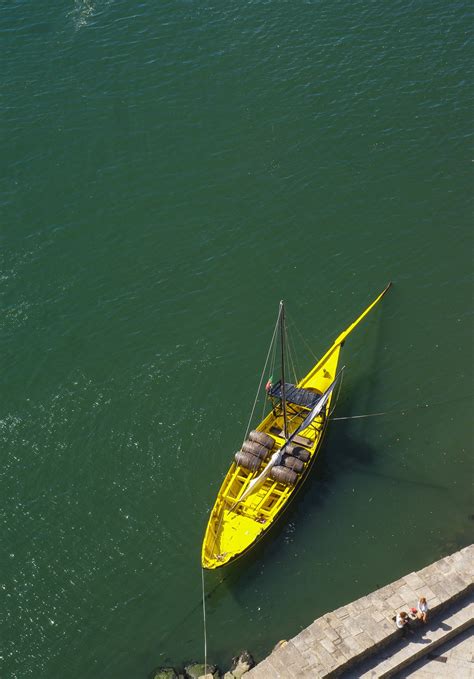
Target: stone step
423,640
338,642
451,660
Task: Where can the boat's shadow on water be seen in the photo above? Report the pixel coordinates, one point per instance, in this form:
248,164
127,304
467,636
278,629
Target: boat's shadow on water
342,452
339,456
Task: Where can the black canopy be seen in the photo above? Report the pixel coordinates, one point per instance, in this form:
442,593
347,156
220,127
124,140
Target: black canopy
300,397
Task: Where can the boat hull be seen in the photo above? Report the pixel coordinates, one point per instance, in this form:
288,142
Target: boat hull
235,526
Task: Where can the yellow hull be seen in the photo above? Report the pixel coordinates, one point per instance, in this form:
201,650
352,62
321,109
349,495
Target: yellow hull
234,526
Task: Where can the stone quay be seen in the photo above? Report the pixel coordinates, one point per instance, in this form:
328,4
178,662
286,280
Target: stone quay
361,639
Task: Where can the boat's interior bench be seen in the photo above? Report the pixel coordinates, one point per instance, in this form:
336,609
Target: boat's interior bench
298,440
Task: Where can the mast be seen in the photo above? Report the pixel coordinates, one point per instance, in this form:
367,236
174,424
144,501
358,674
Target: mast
276,457
283,394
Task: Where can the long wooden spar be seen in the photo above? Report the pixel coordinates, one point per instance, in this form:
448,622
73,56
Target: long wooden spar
339,341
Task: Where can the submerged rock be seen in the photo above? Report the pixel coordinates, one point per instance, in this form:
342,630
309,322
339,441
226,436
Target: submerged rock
198,671
164,673
240,665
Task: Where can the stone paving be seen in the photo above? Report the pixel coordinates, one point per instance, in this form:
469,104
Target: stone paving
334,643
453,660
418,642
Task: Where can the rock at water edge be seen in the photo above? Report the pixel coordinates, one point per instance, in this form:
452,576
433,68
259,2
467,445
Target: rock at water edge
240,665
164,673
198,671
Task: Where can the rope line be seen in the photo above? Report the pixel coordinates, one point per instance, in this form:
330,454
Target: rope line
302,337
204,621
272,345
401,412
291,358
359,417
263,375
338,394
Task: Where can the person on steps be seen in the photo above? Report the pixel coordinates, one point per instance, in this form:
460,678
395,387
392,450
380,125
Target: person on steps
422,613
402,620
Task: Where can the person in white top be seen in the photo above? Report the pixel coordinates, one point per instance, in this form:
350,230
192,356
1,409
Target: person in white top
422,609
401,619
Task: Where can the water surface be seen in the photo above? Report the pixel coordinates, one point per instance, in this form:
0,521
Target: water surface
170,172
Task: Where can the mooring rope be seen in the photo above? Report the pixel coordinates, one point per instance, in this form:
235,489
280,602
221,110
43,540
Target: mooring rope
358,417
338,394
404,411
204,620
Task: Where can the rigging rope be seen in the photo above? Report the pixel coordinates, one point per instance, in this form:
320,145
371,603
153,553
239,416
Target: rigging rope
358,417
291,359
204,621
338,393
263,374
400,412
302,337
271,347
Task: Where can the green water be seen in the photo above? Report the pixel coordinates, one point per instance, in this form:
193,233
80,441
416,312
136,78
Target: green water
171,171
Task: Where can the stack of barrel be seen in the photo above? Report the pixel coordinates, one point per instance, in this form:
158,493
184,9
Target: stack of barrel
291,465
257,448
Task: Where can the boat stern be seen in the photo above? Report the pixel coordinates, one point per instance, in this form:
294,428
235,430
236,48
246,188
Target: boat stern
228,537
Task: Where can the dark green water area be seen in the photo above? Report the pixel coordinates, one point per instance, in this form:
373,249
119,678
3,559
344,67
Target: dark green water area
170,171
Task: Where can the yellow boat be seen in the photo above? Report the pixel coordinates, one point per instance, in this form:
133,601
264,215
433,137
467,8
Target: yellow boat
276,458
